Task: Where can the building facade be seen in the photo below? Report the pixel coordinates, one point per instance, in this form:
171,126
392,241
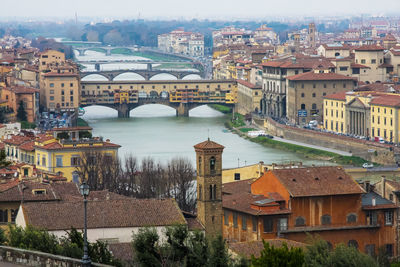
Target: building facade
249,97
306,92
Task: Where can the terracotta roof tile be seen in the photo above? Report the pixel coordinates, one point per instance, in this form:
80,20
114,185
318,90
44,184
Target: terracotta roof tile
104,214
249,84
28,146
386,100
317,181
16,140
369,48
208,145
312,76
337,96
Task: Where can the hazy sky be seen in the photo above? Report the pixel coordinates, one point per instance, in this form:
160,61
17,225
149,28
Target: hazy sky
197,9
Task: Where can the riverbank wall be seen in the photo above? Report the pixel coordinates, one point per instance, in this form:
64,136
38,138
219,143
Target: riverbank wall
372,151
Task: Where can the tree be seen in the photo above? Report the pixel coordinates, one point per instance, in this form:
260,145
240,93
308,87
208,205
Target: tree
277,257
3,161
197,250
21,112
63,135
3,112
218,256
144,246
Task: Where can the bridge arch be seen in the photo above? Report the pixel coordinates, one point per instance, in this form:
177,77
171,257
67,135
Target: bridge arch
129,76
94,77
192,76
163,76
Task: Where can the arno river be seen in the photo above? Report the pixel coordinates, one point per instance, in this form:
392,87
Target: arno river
154,131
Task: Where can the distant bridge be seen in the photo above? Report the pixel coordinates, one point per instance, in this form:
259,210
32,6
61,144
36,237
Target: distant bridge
182,95
147,74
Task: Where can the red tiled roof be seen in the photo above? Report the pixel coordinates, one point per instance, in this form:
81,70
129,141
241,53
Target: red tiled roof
16,140
369,48
355,65
28,146
317,181
336,47
248,84
312,76
389,37
337,96
386,100
104,214
208,145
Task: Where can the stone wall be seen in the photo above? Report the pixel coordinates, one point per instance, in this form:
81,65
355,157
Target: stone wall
369,150
36,258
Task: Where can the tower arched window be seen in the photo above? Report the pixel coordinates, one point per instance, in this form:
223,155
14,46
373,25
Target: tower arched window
199,165
212,164
200,197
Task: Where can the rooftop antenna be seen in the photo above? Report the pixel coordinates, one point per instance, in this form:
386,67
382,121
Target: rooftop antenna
208,130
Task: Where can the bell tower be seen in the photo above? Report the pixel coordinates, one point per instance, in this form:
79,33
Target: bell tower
311,34
209,185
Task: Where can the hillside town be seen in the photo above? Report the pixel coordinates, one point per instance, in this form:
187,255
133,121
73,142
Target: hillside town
330,98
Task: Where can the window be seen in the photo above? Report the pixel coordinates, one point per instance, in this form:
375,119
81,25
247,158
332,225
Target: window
254,223
334,85
235,219
75,160
3,216
314,85
370,250
212,164
302,85
351,218
282,224
302,94
226,217
62,92
303,106
51,92
373,61
391,197
200,196
59,162
43,161
244,222
313,94
314,106
268,225
300,221
71,92
352,243
343,68
75,177
51,85
389,250
52,98
325,219
363,61
344,85
62,84
388,217
14,213
371,218
199,165
213,192
237,176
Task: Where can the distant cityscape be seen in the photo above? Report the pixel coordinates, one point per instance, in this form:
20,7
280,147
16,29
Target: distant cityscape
319,96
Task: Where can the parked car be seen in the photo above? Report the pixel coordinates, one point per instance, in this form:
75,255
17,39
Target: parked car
368,165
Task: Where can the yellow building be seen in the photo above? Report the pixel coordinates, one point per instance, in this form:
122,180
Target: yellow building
249,97
50,57
65,156
374,115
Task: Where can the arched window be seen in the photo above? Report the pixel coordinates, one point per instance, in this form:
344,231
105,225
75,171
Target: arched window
326,219
314,94
200,196
337,54
215,191
212,164
303,106
353,243
199,165
351,218
300,221
302,94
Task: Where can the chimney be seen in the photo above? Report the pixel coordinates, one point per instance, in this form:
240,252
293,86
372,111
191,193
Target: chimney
383,186
373,201
367,186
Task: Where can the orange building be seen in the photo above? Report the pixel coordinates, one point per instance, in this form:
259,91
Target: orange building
29,97
291,203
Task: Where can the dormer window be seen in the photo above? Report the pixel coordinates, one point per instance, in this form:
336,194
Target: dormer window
38,192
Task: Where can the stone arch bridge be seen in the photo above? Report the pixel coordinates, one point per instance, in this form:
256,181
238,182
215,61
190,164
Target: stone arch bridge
182,109
146,74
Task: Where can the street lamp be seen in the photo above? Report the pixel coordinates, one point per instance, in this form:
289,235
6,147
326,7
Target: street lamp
84,190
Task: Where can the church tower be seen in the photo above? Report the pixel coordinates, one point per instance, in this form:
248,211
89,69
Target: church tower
209,186
311,34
